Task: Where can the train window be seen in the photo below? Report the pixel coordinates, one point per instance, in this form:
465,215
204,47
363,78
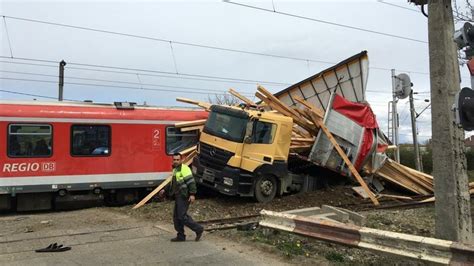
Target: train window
29,140
177,141
90,140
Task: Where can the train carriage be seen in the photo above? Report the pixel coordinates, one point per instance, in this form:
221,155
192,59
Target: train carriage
61,152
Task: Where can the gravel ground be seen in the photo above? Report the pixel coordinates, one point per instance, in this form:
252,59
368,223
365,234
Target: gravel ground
297,249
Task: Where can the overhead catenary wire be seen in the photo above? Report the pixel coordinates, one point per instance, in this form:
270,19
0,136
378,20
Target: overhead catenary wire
33,95
326,22
8,37
398,6
193,44
114,86
153,71
121,82
133,73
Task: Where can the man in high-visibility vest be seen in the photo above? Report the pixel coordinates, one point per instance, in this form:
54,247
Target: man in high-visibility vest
183,190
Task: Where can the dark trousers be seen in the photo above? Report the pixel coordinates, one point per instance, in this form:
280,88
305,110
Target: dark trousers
181,218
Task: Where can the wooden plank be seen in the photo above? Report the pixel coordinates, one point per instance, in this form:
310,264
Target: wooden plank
396,197
163,184
361,192
296,119
409,187
242,98
275,100
302,139
188,150
187,129
191,123
300,131
154,192
204,105
391,176
402,171
316,110
318,121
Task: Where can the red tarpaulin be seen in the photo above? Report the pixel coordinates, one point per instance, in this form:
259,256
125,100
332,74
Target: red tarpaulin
362,115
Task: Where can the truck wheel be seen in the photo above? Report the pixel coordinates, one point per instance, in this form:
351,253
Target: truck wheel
265,188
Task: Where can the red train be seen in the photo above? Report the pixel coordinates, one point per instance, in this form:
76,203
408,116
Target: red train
60,152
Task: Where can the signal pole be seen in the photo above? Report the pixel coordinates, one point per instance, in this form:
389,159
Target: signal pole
61,80
452,205
395,118
413,130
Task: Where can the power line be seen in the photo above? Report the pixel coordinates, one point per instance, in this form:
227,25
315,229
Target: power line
163,40
8,37
34,95
118,82
130,73
326,22
192,44
390,4
114,86
29,64
153,71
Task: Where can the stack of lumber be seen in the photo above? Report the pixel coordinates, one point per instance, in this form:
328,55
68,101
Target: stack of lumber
406,177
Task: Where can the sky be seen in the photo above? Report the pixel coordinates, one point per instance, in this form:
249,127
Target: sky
156,71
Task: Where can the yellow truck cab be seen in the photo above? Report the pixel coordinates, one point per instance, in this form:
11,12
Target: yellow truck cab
244,152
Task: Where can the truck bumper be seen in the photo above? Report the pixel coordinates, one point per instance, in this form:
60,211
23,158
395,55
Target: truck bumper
230,181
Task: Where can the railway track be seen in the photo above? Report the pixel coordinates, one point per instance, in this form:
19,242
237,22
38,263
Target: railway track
248,222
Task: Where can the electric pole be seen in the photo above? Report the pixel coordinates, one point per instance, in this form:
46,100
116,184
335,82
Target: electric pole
452,206
413,131
61,80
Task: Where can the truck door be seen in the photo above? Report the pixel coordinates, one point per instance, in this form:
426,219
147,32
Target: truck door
259,146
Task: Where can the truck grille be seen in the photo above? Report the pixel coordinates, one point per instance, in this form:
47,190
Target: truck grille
213,157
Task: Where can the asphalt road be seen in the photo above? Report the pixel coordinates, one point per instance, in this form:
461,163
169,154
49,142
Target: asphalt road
99,236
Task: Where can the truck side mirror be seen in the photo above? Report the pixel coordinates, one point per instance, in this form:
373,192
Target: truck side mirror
248,140
249,132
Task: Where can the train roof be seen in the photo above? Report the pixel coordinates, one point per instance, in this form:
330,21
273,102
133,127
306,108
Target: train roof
93,104
10,110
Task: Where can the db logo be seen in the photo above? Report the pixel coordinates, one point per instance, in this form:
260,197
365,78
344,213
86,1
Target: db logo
48,167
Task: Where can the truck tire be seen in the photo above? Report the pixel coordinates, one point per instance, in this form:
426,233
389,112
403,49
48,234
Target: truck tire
265,188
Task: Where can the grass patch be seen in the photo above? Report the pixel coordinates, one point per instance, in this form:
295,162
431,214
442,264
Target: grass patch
287,244
334,257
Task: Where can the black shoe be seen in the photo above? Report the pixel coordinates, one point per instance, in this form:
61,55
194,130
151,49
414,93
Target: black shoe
198,235
178,239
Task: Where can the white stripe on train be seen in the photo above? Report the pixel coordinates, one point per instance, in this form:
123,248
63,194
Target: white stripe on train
85,120
77,179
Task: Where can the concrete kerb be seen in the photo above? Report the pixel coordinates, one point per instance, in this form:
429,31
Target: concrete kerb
416,247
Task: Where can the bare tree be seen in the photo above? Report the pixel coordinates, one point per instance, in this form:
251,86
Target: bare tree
223,99
463,13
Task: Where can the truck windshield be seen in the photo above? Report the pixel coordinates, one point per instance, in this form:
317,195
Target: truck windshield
226,125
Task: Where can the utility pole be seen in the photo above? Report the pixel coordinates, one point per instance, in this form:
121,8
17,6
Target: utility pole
413,131
395,118
61,80
452,206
